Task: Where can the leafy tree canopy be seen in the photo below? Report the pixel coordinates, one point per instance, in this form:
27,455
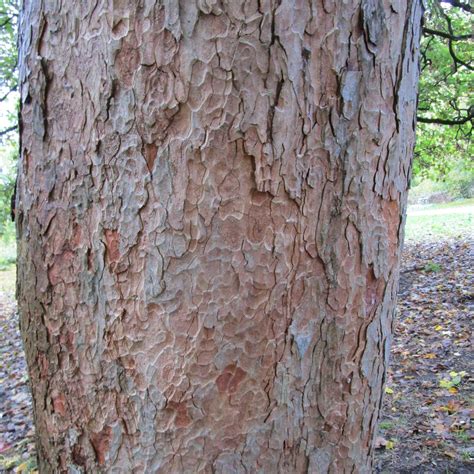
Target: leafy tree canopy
445,107
8,65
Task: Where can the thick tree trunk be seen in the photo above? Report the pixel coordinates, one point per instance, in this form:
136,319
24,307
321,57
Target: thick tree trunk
210,214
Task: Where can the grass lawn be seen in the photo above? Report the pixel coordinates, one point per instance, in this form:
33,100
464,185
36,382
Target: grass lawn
7,246
445,205
8,279
440,221
7,263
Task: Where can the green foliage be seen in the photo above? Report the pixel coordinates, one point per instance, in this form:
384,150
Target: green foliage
16,463
445,95
8,119
8,154
8,49
440,149
433,267
6,190
457,183
453,380
386,425
422,188
8,248
463,437
444,85
8,463
460,179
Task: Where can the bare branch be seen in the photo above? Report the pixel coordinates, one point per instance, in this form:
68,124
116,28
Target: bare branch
442,34
441,121
5,22
456,59
8,130
4,97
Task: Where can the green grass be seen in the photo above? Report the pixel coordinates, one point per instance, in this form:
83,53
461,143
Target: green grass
16,461
7,262
386,425
8,279
429,227
9,462
463,437
7,255
7,247
433,267
447,205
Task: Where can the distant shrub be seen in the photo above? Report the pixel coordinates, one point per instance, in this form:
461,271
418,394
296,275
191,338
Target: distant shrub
423,190
7,248
8,154
460,181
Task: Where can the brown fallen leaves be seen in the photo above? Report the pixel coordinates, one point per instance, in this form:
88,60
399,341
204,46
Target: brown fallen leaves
428,409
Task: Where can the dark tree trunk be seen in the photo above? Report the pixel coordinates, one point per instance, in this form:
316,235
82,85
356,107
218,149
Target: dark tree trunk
210,214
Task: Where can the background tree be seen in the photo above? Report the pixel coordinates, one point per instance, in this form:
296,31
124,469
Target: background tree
209,209
8,65
446,109
8,126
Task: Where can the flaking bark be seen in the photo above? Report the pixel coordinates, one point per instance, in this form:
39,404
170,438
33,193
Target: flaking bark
210,213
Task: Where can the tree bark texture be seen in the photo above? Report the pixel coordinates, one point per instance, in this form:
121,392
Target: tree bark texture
210,214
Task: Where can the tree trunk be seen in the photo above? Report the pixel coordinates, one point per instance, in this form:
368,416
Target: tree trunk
210,214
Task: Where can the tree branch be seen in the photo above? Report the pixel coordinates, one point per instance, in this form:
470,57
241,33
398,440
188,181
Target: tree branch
8,130
13,89
442,34
456,59
441,121
5,23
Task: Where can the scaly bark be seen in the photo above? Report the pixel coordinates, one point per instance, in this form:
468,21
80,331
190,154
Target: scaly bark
210,214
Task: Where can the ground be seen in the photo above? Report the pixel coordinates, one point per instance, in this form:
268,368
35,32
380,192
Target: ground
428,408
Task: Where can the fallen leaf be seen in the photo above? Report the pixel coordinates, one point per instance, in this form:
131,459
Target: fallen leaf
380,442
433,442
440,429
22,467
390,444
4,447
450,454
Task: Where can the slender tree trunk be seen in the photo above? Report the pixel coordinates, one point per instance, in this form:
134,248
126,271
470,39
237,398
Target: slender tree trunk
210,214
